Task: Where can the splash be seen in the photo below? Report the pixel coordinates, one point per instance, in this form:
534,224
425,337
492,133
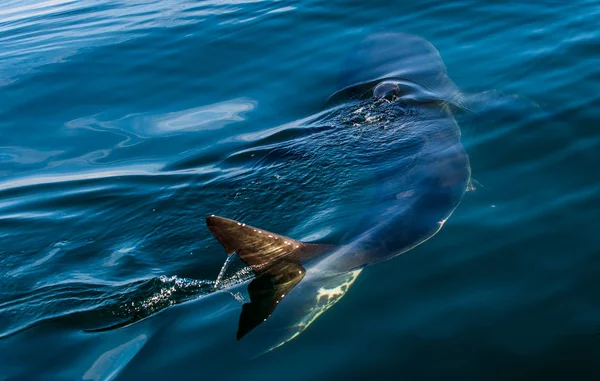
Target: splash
160,293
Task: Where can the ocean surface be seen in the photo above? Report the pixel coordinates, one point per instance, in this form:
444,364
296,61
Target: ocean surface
124,123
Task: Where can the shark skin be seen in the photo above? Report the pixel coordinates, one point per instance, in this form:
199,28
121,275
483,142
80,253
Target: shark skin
395,88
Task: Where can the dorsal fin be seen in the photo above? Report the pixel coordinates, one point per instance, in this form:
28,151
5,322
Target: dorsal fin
276,260
259,248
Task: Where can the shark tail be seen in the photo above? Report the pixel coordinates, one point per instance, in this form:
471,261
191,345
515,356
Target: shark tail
277,260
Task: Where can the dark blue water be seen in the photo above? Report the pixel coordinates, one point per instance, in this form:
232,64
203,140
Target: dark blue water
124,123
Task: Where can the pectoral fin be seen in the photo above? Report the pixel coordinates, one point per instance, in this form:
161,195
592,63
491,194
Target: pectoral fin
266,291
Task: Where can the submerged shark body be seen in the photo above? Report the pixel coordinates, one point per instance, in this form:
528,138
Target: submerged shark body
393,120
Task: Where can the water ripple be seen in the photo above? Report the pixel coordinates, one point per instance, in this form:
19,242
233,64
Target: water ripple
124,123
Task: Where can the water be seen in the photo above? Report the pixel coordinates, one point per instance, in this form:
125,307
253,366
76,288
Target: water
122,126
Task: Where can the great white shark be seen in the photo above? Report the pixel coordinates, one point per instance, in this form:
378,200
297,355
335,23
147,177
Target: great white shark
396,96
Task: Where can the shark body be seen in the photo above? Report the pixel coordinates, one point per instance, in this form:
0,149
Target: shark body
409,144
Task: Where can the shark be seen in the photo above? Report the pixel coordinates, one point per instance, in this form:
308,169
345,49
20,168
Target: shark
392,118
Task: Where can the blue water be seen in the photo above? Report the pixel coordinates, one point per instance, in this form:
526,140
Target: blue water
124,123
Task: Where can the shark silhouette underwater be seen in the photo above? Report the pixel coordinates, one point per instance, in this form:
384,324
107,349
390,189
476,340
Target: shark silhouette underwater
393,118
